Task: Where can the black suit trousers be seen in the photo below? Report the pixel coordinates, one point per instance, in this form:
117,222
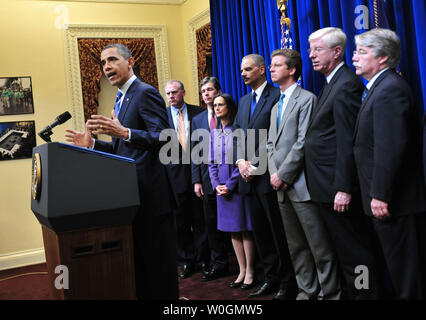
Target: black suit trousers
356,245
191,243
403,240
218,240
154,239
270,239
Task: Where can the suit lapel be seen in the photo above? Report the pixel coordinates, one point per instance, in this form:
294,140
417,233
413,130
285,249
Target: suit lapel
259,106
124,107
289,109
191,115
325,93
245,105
126,101
170,117
367,98
274,115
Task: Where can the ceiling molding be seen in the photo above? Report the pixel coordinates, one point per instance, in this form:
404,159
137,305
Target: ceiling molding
167,2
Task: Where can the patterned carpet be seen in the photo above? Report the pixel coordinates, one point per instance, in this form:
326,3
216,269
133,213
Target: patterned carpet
31,283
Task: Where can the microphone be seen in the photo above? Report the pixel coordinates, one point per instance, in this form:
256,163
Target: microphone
47,131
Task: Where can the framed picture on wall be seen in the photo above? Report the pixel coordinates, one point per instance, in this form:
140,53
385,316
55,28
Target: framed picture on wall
17,140
16,96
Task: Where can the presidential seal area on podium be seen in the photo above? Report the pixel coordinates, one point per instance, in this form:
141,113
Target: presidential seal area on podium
86,225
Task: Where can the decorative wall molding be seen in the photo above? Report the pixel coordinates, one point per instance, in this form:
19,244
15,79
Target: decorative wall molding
169,2
72,64
194,24
22,258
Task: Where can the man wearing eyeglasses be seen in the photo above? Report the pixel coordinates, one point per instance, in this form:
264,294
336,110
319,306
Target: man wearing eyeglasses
387,150
330,169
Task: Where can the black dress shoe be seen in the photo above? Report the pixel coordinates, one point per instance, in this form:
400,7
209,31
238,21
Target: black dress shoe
265,289
215,273
204,268
248,286
285,294
235,284
185,271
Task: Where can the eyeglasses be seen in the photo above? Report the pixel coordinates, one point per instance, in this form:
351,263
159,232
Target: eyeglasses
316,50
276,65
360,52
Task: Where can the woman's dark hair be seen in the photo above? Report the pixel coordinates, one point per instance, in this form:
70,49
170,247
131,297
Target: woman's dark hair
230,104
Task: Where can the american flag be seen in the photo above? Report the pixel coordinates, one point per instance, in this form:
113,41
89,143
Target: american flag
286,40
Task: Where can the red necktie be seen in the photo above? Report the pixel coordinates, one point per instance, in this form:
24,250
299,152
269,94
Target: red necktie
212,123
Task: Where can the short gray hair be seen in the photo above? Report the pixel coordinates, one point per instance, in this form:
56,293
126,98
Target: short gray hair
181,86
257,59
332,37
383,42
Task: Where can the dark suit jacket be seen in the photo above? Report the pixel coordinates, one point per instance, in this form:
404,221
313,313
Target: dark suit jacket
143,111
329,159
180,174
200,172
388,147
260,120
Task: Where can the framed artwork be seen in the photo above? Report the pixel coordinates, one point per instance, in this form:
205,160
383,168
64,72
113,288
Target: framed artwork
17,140
16,96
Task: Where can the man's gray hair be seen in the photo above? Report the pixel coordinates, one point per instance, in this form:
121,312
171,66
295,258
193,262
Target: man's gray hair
257,59
383,42
181,86
332,37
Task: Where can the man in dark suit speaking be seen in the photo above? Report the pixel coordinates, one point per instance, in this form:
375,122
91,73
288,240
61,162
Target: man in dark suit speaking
138,117
388,156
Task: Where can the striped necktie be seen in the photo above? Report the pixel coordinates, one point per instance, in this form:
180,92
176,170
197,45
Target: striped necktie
364,94
117,104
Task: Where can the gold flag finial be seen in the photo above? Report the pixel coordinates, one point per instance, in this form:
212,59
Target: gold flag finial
282,6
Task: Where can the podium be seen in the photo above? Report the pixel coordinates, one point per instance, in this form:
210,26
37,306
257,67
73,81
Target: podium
85,201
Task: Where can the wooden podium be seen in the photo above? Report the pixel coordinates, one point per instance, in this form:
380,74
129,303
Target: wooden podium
85,201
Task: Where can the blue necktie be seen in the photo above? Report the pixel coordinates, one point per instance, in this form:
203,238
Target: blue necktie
253,103
280,110
364,94
117,103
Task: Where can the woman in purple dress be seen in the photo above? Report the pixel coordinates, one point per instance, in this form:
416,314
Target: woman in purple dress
232,207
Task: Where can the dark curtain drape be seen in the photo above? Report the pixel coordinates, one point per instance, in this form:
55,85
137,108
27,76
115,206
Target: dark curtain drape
240,27
89,51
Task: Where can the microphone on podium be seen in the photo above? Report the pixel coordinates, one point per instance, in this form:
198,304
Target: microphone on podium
47,131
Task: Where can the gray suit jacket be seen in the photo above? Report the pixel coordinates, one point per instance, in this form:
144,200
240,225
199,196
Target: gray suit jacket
286,145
